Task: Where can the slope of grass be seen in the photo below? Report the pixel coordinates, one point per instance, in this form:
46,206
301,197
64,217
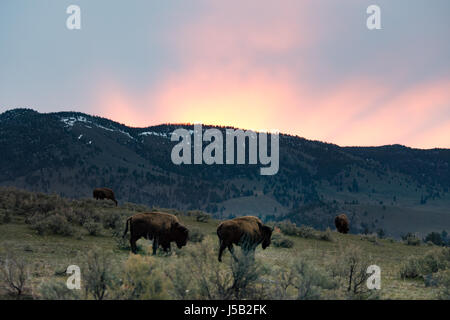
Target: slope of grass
49,255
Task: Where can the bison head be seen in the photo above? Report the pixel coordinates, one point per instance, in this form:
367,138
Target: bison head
180,234
267,234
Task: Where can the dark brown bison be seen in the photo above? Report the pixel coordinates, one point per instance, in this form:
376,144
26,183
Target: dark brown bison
341,223
247,232
104,193
162,228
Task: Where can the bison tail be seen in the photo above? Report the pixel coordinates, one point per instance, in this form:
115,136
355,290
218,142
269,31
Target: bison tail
126,227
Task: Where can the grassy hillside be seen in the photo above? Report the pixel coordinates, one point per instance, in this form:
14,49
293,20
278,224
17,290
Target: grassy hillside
313,267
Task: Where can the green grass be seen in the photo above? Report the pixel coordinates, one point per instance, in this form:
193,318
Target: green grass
49,255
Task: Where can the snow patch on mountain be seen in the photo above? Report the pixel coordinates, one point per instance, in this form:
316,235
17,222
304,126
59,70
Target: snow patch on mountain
70,121
158,134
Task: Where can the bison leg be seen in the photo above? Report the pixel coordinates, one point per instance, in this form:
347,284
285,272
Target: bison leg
133,244
222,247
155,245
166,248
231,249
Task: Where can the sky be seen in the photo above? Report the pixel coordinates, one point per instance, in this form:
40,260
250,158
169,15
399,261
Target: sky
307,68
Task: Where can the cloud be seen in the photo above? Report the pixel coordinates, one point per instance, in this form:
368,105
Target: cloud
249,64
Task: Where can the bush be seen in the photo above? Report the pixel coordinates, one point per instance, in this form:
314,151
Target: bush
370,237
351,267
53,224
306,232
327,235
411,268
94,228
98,274
195,235
202,217
143,278
280,241
444,284
218,281
432,262
112,220
123,243
412,241
13,274
288,228
181,281
301,280
435,238
310,280
56,290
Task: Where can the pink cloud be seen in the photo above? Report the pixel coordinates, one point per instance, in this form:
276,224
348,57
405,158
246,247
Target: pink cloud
231,72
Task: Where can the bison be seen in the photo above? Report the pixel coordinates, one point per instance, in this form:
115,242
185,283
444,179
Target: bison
104,193
341,223
247,232
162,228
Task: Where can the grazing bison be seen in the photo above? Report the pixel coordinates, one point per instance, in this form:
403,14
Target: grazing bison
104,193
160,227
247,232
341,223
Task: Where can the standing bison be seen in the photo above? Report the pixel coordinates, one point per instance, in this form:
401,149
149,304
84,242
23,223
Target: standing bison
247,232
104,193
162,228
341,223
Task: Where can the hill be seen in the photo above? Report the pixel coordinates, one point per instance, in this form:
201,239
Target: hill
46,233
393,188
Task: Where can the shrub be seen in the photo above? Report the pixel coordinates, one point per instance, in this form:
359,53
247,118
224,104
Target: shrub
13,274
301,280
98,274
212,280
288,228
432,262
435,238
326,235
56,290
195,235
370,237
142,279
123,243
411,268
53,224
181,281
280,241
444,284
306,232
202,217
310,280
412,240
94,228
112,220
351,267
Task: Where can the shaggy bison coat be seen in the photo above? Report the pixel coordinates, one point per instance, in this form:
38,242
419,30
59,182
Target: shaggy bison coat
247,232
162,228
341,223
104,193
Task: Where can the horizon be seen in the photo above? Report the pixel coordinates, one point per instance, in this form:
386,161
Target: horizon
312,70
225,126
